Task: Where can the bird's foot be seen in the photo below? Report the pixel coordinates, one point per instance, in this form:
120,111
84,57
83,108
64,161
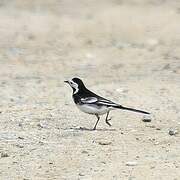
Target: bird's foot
94,128
107,121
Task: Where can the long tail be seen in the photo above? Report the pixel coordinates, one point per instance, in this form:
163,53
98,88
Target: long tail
131,109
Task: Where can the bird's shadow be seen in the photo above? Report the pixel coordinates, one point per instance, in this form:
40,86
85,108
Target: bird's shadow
88,129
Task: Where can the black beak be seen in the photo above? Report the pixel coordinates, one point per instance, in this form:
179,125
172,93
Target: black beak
66,82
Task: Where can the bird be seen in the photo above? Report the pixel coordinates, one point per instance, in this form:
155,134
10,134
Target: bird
91,103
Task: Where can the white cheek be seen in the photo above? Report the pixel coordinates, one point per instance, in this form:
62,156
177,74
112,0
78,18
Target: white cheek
77,89
75,86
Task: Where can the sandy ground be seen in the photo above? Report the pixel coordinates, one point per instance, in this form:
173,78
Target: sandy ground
126,50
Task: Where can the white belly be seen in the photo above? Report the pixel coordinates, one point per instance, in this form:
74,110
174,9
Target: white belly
90,109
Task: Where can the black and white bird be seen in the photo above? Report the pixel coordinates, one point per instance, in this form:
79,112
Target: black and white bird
91,103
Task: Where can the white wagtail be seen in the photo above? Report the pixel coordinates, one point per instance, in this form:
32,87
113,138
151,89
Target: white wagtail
91,103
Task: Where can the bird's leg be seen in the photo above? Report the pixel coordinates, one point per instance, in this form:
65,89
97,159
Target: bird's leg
98,118
107,120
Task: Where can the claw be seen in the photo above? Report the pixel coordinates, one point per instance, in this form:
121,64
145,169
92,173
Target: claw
107,122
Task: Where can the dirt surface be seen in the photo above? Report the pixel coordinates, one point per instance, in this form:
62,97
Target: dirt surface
126,50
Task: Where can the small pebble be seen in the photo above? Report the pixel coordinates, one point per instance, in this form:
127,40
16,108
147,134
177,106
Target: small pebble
104,143
80,174
19,146
20,137
42,125
20,124
84,152
156,143
146,119
172,132
131,163
3,154
151,126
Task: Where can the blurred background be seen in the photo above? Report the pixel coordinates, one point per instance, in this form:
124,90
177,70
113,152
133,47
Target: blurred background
126,50
58,38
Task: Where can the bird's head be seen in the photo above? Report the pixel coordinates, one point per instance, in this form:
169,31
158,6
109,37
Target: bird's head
76,84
